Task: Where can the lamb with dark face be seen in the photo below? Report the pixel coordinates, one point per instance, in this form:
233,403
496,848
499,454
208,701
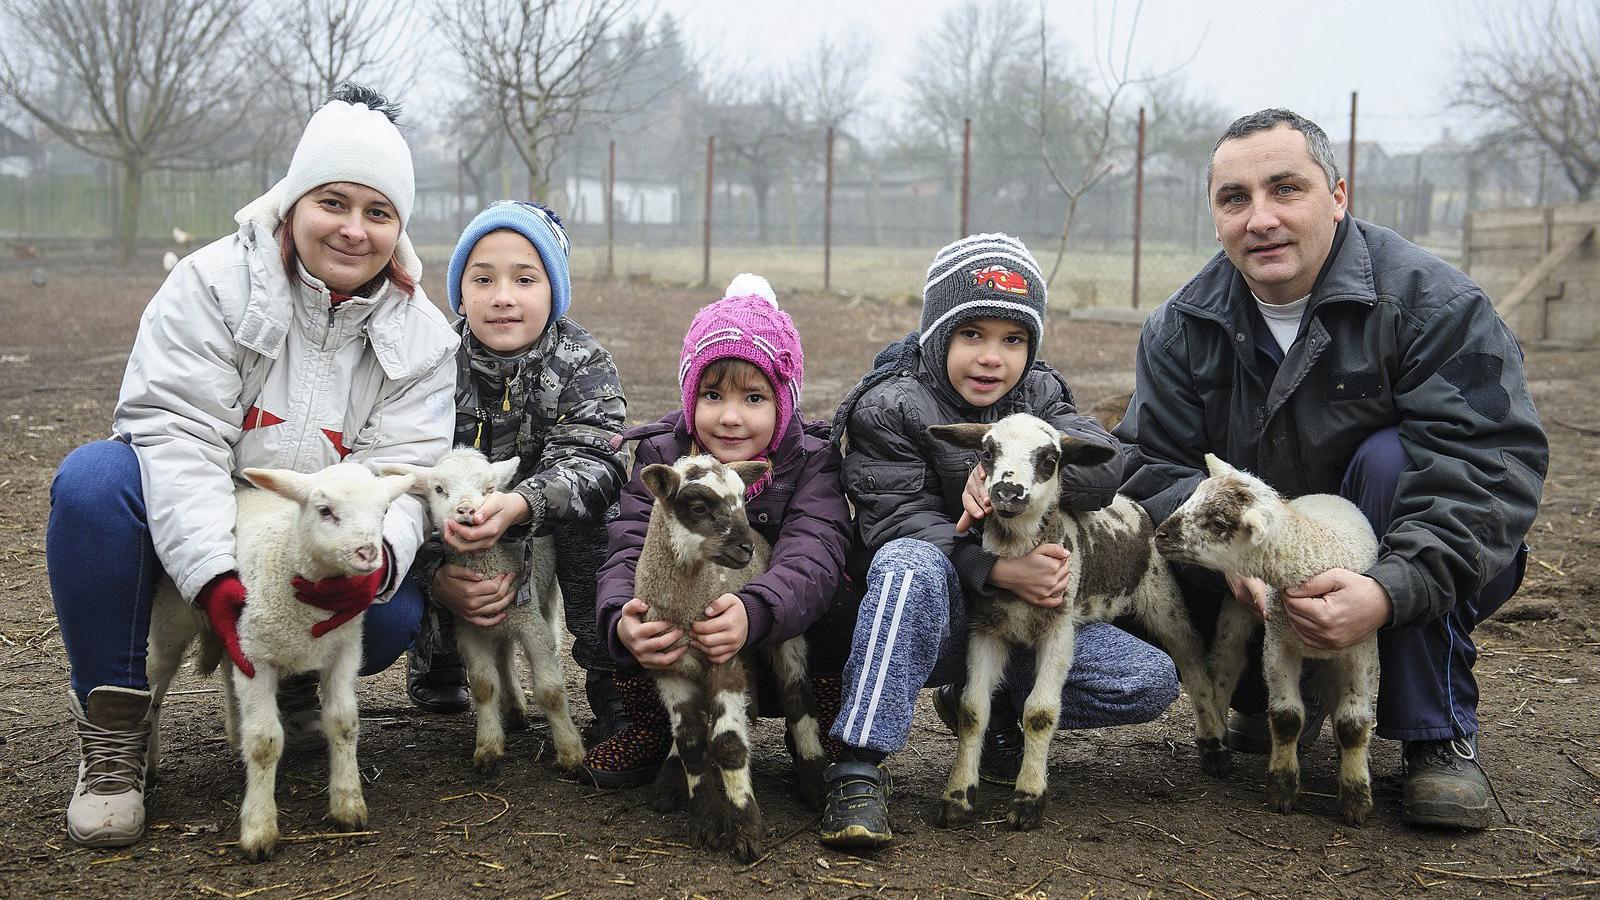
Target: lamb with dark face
1114,571
705,502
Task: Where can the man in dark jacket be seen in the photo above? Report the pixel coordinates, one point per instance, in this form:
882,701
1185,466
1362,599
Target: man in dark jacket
1329,355
974,360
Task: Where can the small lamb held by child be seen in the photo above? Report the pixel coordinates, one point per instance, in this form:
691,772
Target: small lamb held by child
453,489
324,525
1236,523
1114,571
699,546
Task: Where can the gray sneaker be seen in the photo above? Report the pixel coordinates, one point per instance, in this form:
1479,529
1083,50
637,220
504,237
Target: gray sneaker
114,740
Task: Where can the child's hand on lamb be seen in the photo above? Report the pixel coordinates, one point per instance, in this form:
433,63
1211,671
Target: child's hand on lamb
1039,578
498,512
975,502
723,631
479,599
1252,592
656,645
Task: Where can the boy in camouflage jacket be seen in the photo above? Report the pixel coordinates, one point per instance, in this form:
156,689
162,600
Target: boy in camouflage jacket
534,384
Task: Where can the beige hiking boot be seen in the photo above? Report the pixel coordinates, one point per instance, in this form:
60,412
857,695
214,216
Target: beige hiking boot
107,807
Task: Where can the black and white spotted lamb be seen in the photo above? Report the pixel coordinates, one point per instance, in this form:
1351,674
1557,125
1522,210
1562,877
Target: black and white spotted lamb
1114,571
1236,523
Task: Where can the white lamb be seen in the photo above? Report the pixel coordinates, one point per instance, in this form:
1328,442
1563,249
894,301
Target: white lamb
317,526
453,489
1237,523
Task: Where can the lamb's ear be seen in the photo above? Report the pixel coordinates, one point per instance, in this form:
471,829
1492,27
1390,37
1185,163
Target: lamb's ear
419,474
1255,523
1076,451
283,482
750,471
1215,466
400,483
661,480
966,435
505,472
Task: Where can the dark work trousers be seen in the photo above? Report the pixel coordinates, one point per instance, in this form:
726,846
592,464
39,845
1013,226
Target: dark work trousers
580,551
1425,689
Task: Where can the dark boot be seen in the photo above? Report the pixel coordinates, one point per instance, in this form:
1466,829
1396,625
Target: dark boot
1249,732
633,756
600,686
1445,787
1002,741
856,814
436,678
300,710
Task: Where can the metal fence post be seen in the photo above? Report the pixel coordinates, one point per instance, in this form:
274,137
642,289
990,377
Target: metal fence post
966,174
827,219
611,206
1138,208
1350,176
711,149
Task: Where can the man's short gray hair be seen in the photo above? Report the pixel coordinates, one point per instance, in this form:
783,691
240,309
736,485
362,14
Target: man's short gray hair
1267,119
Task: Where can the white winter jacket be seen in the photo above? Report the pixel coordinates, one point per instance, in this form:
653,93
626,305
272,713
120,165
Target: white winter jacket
237,365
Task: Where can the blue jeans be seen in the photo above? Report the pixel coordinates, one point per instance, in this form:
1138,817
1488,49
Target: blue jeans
911,633
1425,686
103,572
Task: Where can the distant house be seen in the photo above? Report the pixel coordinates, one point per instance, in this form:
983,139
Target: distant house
19,154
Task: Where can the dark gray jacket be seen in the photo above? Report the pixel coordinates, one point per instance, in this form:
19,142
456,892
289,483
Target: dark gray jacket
1392,336
904,483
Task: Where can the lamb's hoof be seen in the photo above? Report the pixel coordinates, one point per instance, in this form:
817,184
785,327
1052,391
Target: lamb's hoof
349,814
1282,788
1355,803
671,791
709,832
487,762
257,844
746,846
1026,812
1215,757
809,783
569,758
956,809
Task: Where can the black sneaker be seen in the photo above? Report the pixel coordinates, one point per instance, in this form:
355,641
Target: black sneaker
436,678
1250,733
1001,759
1445,787
856,812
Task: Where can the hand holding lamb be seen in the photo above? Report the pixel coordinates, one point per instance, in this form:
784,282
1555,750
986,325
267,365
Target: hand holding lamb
223,601
346,596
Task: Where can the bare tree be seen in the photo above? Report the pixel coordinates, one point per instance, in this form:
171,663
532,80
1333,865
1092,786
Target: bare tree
963,65
311,46
545,66
1538,76
150,85
1090,135
829,81
758,129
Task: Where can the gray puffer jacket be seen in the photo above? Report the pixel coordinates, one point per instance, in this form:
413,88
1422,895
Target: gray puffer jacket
1392,335
904,483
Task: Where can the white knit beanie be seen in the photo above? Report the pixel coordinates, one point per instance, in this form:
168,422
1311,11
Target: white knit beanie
346,142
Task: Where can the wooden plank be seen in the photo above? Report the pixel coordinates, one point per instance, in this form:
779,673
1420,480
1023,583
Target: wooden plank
1542,271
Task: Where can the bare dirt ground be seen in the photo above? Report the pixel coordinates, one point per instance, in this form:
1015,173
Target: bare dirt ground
1130,814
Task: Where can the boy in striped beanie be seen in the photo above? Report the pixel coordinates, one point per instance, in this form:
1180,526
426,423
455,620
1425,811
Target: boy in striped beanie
919,505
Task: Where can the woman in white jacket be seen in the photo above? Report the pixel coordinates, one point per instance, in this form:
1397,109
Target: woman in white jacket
298,341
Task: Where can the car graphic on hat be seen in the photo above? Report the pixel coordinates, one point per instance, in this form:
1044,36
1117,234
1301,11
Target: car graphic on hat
1000,278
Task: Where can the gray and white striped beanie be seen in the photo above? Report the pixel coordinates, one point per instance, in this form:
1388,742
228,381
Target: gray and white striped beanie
982,276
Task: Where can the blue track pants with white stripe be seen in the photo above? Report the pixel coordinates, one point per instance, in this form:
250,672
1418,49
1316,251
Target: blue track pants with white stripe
911,633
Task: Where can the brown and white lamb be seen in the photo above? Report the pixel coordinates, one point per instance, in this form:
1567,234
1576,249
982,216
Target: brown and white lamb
1236,523
698,546
1115,571
453,489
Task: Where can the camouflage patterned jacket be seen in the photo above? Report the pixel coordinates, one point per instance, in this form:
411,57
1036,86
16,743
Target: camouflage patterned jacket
560,407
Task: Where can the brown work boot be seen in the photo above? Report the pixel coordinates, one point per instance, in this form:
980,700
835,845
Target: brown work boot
1445,787
633,756
114,740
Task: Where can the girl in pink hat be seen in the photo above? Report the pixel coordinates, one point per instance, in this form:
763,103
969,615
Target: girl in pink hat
741,374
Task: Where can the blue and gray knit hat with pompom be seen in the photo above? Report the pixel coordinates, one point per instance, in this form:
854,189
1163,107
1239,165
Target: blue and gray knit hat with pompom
540,225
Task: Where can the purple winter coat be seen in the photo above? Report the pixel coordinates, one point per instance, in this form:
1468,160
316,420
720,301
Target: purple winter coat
802,513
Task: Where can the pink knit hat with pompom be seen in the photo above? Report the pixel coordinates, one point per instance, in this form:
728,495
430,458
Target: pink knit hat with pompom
747,324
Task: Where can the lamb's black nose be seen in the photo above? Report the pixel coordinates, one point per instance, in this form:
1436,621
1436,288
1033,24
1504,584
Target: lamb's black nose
747,549
1007,492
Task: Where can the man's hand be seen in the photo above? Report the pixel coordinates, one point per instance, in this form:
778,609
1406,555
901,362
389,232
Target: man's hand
1251,592
654,644
974,500
479,599
723,631
1039,578
1337,609
497,513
